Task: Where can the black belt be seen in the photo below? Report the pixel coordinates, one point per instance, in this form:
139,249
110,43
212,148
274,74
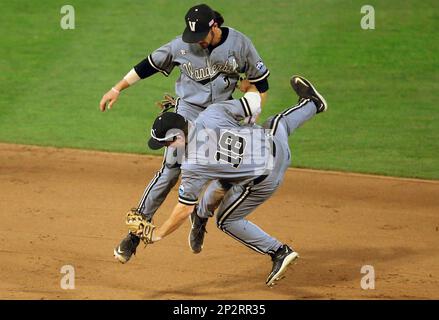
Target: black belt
259,179
273,151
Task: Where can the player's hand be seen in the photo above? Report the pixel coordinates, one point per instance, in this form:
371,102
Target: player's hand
109,98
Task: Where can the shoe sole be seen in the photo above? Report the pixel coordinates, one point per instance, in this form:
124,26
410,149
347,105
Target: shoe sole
189,237
119,257
287,261
315,92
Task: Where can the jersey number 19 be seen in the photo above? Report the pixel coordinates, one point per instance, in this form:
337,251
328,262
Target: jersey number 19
231,149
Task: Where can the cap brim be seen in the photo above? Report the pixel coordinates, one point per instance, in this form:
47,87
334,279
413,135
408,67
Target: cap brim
154,144
192,37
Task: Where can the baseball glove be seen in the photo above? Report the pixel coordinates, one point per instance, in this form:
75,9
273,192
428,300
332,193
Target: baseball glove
167,103
138,225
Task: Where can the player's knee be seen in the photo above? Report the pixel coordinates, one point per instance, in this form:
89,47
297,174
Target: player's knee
204,211
223,224
218,222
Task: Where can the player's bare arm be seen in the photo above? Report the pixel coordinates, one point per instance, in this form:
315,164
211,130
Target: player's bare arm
113,94
148,232
179,215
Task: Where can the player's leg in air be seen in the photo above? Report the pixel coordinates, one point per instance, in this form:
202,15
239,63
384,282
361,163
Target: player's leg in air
310,103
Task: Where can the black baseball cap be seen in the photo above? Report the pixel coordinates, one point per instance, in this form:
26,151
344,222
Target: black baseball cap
165,128
199,20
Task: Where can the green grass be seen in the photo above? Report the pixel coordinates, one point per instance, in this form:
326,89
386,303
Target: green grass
381,84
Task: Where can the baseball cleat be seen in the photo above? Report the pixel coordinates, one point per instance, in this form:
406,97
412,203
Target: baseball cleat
305,90
198,229
281,259
126,248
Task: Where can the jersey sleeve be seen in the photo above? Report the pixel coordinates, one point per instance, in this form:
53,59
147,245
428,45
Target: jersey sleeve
190,187
256,70
162,59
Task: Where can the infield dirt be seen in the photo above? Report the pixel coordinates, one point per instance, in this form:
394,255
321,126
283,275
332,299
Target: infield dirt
66,207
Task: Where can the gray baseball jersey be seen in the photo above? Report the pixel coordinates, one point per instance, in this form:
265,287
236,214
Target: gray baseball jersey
220,148
208,77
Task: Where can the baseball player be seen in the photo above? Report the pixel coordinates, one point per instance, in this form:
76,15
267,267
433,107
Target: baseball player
210,58
232,151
